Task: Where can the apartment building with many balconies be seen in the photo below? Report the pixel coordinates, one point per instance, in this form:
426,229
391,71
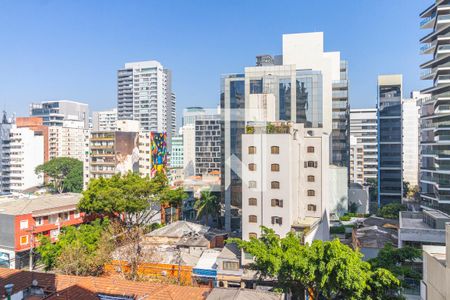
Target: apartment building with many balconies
435,111
105,120
363,134
285,185
144,93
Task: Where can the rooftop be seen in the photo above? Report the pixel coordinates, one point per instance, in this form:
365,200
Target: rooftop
39,204
438,252
77,287
242,294
374,237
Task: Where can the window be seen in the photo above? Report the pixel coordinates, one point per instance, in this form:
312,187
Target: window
275,167
310,164
39,221
251,150
252,201
311,178
310,149
277,220
312,207
252,235
76,214
64,216
275,150
231,265
252,184
252,167
23,224
276,202
311,193
275,185
24,240
252,219
53,219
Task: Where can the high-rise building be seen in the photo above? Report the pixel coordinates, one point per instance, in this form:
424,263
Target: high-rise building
207,146
24,151
176,155
285,180
299,83
340,136
67,140
197,145
363,129
54,113
104,120
144,93
410,133
5,128
435,112
390,181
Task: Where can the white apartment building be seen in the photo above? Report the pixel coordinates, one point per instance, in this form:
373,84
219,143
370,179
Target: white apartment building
176,155
410,128
104,120
25,149
68,140
55,112
285,181
436,270
145,94
301,83
356,161
363,127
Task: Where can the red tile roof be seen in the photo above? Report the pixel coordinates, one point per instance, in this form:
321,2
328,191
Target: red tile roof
78,287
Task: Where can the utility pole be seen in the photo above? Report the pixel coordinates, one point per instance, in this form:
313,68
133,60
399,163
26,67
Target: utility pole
31,247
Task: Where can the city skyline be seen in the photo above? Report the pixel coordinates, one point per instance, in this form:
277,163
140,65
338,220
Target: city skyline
58,51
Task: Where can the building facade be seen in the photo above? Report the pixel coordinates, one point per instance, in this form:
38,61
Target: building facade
364,129
435,112
410,134
144,93
340,135
68,140
104,120
207,145
285,174
54,113
299,84
176,156
23,220
389,115
356,161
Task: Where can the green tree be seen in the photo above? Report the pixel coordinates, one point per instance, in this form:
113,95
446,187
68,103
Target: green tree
406,188
81,250
136,200
373,189
391,210
326,270
399,261
66,174
207,205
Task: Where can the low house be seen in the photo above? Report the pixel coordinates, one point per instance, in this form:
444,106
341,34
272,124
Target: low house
35,285
229,269
23,219
372,234
205,271
243,294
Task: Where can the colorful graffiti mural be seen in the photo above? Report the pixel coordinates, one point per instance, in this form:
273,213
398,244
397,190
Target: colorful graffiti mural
158,152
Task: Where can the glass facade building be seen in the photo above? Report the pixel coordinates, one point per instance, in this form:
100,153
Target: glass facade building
390,181
340,135
434,179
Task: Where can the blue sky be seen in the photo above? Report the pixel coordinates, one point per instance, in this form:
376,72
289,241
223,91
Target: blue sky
59,49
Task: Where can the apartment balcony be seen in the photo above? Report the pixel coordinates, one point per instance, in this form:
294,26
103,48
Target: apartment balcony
428,22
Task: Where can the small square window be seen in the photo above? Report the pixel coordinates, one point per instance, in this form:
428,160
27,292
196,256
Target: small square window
23,224
24,240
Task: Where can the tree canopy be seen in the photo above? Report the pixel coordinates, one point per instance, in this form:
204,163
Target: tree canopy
66,174
137,199
81,250
391,210
330,270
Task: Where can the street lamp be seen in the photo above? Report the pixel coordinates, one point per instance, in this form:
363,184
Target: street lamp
9,289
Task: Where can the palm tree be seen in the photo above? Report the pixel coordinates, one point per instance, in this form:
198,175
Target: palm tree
207,205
